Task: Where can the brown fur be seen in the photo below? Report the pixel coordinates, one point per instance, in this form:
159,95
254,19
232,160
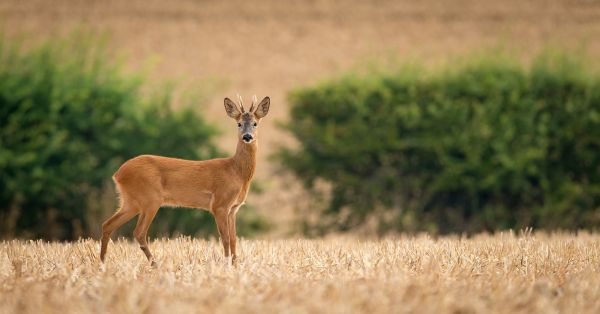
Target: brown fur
220,185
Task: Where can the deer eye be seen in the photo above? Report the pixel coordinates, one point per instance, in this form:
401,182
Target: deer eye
254,123
239,125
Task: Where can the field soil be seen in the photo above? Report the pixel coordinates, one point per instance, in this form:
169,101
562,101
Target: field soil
503,273
270,47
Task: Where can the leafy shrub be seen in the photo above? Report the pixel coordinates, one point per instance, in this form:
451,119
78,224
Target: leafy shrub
69,116
482,145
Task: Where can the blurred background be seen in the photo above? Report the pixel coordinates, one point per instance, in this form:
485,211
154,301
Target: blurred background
387,116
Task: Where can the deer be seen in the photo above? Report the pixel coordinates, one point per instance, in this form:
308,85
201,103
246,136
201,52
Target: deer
147,182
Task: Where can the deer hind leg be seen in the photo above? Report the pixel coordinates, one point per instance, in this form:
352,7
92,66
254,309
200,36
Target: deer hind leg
141,232
123,215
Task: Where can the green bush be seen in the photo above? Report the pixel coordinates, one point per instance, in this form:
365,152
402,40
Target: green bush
69,116
483,145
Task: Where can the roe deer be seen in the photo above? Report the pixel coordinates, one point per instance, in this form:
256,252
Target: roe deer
220,185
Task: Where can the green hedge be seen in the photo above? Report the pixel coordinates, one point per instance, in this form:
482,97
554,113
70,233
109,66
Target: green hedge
69,116
481,145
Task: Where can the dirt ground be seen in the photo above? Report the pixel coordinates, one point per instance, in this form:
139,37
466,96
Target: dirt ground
271,47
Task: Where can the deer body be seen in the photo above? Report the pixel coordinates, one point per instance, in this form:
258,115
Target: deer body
220,185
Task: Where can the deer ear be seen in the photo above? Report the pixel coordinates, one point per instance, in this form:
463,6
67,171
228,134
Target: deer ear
231,109
263,108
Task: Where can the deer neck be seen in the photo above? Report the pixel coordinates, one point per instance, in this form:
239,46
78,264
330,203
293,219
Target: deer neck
245,159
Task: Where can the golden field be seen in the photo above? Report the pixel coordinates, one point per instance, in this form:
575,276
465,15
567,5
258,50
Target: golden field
502,273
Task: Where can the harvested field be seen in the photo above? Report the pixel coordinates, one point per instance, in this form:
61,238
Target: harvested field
270,47
503,273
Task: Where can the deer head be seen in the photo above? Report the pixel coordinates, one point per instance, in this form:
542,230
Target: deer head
247,121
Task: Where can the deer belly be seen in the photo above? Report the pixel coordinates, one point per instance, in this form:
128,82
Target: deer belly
195,200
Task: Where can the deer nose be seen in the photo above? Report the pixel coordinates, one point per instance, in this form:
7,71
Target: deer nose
247,137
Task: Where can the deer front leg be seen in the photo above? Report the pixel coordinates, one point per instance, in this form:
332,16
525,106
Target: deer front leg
232,232
220,215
